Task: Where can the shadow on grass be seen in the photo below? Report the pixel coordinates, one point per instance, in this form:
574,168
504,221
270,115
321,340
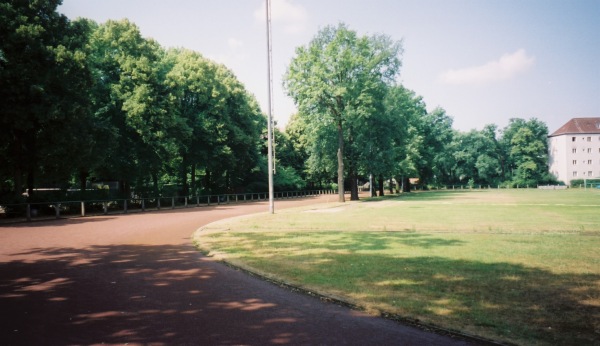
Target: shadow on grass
506,301
513,302
360,241
420,196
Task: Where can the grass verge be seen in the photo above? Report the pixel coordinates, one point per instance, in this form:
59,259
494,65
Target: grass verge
519,266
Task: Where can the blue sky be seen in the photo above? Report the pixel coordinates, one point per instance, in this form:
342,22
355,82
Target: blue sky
483,61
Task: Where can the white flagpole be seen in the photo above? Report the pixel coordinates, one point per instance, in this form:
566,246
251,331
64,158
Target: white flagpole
270,106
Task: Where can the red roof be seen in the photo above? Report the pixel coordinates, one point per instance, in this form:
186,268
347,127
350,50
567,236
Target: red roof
579,126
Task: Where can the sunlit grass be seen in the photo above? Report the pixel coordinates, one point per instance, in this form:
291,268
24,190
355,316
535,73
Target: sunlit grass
514,265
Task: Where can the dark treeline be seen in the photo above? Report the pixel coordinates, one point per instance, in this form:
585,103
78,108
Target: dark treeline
85,104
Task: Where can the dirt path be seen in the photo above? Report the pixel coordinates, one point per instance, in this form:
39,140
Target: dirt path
136,279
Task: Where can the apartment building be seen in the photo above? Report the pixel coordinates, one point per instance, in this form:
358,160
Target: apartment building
574,150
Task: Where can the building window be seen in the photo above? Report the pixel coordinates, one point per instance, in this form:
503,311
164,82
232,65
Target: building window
589,139
589,162
573,139
574,162
589,173
574,150
574,173
589,150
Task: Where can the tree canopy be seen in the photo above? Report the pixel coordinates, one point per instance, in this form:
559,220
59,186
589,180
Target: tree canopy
86,103
338,81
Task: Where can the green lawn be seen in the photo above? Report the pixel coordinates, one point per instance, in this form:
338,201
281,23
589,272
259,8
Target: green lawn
520,266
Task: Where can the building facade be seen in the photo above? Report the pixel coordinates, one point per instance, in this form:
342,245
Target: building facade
574,150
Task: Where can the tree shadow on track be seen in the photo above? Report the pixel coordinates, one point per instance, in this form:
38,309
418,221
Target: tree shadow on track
125,294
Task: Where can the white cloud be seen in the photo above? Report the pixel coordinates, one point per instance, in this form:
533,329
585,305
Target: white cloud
292,16
234,43
506,67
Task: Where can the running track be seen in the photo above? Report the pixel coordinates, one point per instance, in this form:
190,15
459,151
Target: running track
137,280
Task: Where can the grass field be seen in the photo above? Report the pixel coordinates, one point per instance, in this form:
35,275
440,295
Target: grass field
517,266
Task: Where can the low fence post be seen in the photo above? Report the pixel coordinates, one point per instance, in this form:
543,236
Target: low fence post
57,210
197,201
105,207
143,205
185,202
172,202
82,208
28,212
158,203
125,206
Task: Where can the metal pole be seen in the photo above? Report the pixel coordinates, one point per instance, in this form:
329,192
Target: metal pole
270,106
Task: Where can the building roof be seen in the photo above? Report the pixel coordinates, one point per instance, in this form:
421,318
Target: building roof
579,126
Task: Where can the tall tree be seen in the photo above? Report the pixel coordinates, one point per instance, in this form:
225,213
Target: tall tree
43,77
223,119
130,102
475,157
408,113
313,173
339,76
525,148
191,81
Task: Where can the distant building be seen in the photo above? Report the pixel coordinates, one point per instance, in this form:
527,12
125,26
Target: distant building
574,150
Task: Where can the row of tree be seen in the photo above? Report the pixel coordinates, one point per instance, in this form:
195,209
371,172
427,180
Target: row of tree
84,102
354,121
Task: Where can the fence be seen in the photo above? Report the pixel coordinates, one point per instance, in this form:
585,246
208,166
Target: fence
501,186
45,210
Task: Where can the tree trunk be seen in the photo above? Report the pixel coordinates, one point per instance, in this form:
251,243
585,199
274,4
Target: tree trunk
18,181
30,181
207,181
372,186
155,183
184,181
353,186
405,184
340,157
193,182
125,188
380,185
83,175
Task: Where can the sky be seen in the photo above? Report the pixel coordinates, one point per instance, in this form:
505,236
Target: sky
482,61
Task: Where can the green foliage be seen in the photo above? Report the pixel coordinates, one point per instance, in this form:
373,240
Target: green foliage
221,122
43,79
287,179
83,101
339,81
516,157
